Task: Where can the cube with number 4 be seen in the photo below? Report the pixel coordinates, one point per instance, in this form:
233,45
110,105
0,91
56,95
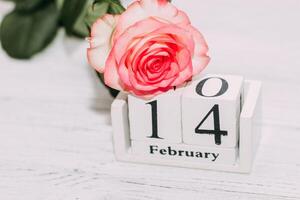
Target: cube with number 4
158,119
210,110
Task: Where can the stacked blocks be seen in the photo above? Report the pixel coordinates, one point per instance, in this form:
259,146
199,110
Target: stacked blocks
197,123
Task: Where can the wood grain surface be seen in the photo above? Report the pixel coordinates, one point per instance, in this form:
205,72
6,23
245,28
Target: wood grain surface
55,130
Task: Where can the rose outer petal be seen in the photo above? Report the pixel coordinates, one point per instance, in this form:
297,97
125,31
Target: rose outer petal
111,76
100,41
97,57
199,63
140,10
200,58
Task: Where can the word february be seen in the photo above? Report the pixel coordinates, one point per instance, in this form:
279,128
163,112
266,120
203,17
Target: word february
168,151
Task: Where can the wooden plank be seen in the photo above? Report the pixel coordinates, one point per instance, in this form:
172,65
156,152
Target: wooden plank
55,132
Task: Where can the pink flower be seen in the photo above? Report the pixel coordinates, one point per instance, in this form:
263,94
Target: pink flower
147,50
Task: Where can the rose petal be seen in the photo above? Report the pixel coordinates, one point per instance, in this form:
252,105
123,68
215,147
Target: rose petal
199,63
97,57
174,70
111,76
102,30
140,28
181,36
100,41
150,94
183,58
201,47
140,10
151,26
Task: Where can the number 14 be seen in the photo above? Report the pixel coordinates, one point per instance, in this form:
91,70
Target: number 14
216,131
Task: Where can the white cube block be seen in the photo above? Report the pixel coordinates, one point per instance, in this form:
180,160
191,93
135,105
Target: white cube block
210,110
156,119
184,152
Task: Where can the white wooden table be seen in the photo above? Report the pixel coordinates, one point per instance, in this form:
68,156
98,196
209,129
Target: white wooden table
55,131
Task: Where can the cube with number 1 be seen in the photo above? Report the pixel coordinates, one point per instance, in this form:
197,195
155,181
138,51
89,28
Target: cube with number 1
158,119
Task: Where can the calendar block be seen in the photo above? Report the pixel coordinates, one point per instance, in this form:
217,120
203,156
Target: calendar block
211,108
237,159
156,119
184,152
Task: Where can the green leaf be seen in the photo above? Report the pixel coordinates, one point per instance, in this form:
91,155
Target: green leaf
25,34
29,5
91,14
78,16
100,8
72,12
115,7
95,11
59,4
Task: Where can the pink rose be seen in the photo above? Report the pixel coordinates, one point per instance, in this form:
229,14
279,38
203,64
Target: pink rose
147,50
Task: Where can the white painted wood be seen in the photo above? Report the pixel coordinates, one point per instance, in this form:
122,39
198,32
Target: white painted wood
56,135
184,152
212,97
167,120
122,142
250,124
